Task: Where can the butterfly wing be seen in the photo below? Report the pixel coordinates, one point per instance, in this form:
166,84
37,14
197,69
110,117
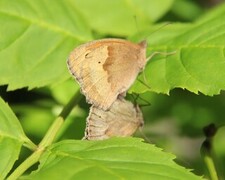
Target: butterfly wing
122,119
106,68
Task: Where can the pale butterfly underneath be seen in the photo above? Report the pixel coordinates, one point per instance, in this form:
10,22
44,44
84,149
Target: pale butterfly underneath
122,119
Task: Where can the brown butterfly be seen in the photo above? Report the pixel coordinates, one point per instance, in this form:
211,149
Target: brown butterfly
106,68
122,119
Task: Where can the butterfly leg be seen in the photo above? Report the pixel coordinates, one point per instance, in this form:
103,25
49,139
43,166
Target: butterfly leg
162,53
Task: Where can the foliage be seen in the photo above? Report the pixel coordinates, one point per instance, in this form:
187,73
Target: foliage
36,38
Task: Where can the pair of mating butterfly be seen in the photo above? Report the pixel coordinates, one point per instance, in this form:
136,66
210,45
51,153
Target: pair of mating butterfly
105,70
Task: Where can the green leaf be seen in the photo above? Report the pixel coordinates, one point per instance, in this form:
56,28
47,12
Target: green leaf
11,138
116,158
182,9
198,64
9,153
36,38
117,17
10,126
36,41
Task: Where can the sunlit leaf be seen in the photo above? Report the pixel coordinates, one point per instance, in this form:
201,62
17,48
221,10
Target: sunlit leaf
117,17
36,38
198,62
116,158
11,138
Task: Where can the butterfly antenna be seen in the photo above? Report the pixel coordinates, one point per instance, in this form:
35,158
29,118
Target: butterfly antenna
161,27
136,23
156,53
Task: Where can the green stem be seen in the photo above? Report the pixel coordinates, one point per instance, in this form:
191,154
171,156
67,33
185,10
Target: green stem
70,105
48,138
30,145
211,166
31,160
206,152
51,133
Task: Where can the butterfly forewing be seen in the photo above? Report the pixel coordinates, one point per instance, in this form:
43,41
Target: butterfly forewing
106,68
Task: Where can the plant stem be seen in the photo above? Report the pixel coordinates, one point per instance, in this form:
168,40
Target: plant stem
211,166
51,133
31,160
207,148
48,138
70,105
30,145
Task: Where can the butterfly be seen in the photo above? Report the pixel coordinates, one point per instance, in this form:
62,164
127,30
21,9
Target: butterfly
122,119
105,69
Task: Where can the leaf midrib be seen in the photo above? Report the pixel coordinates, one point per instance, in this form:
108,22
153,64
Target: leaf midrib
42,24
